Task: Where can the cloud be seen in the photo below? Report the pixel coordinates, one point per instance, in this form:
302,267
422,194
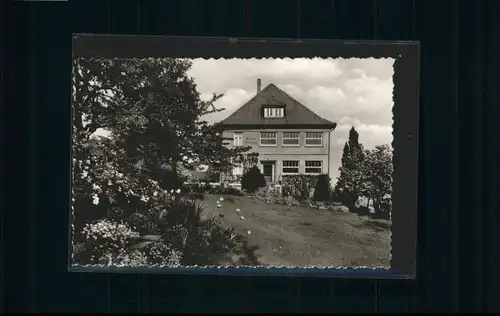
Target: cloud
352,92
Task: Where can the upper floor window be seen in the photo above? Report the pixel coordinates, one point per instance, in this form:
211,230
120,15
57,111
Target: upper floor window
313,166
268,139
314,139
290,139
273,112
238,139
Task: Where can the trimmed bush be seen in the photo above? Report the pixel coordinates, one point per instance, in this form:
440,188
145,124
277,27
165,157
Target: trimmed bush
171,180
268,196
226,191
298,186
252,180
322,189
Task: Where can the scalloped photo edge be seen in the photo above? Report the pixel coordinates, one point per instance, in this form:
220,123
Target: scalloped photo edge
404,114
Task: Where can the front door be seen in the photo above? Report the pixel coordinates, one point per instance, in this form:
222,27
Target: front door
267,170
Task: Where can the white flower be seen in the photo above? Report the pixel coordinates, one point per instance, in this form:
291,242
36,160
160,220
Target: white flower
243,217
155,193
237,210
172,191
249,232
95,200
219,206
221,199
178,191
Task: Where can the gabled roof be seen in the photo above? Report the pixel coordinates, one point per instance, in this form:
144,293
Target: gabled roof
296,114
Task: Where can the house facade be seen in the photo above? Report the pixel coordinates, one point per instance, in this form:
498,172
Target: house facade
289,137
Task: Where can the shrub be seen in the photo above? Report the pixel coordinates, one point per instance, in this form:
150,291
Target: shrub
226,191
252,180
193,190
298,186
106,238
171,180
322,189
112,243
268,195
171,232
200,240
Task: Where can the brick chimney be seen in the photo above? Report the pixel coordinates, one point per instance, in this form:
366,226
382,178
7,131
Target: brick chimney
259,84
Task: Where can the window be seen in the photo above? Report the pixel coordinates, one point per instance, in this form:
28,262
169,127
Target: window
314,166
290,166
290,139
238,139
274,112
268,139
314,139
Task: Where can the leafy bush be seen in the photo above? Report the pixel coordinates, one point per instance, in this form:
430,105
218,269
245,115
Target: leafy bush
171,180
252,180
112,243
298,186
194,190
267,195
197,189
177,234
270,196
322,189
226,191
200,240
377,175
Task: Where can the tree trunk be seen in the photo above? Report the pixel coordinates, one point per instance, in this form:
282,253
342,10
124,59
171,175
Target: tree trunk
351,201
376,206
175,174
174,167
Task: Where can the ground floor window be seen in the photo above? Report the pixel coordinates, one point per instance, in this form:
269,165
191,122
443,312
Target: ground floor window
314,166
290,166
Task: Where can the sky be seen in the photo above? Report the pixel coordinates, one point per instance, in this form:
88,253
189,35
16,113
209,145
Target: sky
351,92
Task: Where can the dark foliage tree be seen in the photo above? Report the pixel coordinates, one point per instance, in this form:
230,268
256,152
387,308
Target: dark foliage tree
322,190
348,186
252,180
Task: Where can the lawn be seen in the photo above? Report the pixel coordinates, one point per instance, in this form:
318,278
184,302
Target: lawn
301,236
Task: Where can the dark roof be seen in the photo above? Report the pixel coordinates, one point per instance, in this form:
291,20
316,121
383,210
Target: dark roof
296,114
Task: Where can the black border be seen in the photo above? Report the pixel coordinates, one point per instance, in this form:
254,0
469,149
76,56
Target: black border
405,127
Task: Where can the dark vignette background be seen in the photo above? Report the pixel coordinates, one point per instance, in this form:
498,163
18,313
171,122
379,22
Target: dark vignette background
458,200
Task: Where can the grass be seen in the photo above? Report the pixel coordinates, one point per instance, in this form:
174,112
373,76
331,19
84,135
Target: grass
301,236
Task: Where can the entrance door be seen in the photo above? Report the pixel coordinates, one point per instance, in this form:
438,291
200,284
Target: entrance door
267,170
